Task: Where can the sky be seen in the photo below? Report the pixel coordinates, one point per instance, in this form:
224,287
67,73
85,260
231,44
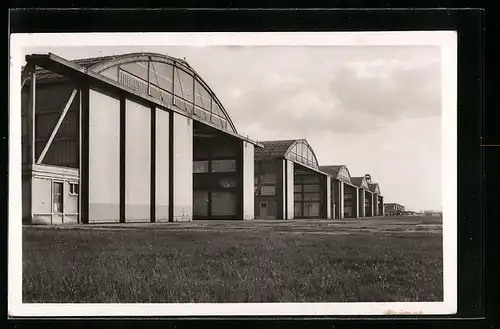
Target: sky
375,109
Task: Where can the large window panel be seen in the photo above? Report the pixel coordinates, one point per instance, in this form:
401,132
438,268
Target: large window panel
202,96
183,85
268,190
200,166
139,69
161,75
223,165
311,188
223,203
200,203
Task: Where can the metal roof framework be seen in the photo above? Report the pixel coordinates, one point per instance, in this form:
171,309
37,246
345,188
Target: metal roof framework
336,170
361,182
282,149
85,73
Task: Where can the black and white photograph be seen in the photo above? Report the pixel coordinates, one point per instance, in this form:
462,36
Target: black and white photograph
233,174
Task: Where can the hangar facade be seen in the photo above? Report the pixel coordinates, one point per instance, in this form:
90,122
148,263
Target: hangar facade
289,183
131,138
353,197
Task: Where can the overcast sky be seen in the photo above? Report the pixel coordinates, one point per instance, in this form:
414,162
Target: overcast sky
376,109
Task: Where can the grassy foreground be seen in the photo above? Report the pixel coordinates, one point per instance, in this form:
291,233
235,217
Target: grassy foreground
255,265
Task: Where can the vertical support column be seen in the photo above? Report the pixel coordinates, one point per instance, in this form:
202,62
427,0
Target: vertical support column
284,188
382,208
376,204
183,168
372,207
123,161
356,203
31,115
248,181
152,185
84,168
171,156
362,210
341,198
328,197
289,189
30,144
80,117
279,169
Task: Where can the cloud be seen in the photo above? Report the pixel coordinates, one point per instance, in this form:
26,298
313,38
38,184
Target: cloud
389,89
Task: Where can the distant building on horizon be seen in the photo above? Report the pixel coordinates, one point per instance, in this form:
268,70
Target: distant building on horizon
393,209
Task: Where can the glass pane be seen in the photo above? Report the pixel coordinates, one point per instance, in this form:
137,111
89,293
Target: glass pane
200,166
161,75
183,85
200,203
311,188
269,178
139,69
312,197
297,188
202,96
268,190
223,204
58,187
223,165
58,203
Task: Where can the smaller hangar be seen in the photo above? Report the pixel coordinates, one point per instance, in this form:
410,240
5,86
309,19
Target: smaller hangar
289,183
353,197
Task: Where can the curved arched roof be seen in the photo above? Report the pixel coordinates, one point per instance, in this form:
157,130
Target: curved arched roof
360,182
297,150
101,64
339,172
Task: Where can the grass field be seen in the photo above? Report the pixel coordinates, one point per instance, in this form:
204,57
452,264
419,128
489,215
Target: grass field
376,260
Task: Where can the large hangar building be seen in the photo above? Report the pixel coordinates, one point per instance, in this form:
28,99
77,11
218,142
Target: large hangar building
131,138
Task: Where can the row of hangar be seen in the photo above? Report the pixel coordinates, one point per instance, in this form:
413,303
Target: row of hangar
141,137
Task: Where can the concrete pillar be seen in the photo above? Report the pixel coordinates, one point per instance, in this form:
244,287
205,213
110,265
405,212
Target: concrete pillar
361,204
284,188
328,197
341,200
372,207
289,190
248,181
355,205
375,204
382,208
183,168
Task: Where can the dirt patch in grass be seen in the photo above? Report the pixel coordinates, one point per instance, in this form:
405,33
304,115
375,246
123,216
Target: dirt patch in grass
258,265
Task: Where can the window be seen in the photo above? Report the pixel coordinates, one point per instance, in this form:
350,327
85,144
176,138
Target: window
223,165
57,197
200,166
73,189
268,190
311,188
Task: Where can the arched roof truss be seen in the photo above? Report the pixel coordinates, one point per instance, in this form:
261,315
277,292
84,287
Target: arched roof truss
300,151
170,80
